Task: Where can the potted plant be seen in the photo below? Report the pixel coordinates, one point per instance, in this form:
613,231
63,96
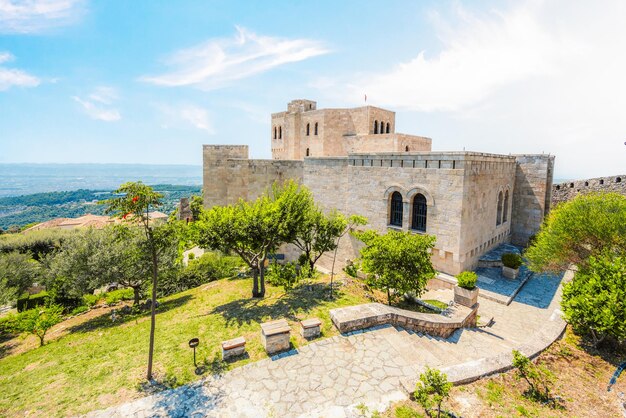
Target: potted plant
511,263
466,292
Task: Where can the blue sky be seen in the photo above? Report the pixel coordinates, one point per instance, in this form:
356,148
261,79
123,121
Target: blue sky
151,81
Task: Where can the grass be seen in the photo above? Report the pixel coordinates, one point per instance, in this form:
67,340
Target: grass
582,374
97,363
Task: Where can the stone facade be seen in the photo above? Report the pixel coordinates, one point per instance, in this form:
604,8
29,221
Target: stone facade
567,191
472,201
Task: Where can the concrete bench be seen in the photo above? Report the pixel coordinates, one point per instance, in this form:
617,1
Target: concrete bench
275,336
233,348
310,328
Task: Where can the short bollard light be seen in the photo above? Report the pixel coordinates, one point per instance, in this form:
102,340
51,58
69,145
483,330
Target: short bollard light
193,343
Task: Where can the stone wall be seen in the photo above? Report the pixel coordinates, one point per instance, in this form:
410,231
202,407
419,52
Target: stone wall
563,192
532,195
228,174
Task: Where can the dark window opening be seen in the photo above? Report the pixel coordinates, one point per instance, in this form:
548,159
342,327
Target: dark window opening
387,127
307,152
406,149
618,180
375,126
308,129
558,187
420,209
571,185
586,183
274,132
315,128
601,181
499,214
395,218
280,132
505,213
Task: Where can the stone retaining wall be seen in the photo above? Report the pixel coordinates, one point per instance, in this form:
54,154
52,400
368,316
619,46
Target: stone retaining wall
563,192
369,315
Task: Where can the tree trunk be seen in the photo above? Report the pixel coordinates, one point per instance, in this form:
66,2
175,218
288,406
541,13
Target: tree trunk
332,270
41,337
388,297
255,282
153,311
136,297
262,278
311,267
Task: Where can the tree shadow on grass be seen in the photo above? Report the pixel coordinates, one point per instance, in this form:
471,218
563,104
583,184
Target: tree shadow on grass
104,321
303,298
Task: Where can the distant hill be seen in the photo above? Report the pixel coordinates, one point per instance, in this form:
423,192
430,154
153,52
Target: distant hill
40,207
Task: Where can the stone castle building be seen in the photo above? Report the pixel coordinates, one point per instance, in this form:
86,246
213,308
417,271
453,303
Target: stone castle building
354,161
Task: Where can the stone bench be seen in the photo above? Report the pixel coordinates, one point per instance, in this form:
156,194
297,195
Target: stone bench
275,336
233,348
310,328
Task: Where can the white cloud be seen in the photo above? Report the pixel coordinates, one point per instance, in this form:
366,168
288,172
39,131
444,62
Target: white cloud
542,75
10,77
218,62
99,104
186,115
32,16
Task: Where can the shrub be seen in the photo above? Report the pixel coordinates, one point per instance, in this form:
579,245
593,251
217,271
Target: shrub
8,324
39,321
119,295
352,269
191,256
467,280
32,301
79,310
432,389
511,260
286,275
539,378
90,300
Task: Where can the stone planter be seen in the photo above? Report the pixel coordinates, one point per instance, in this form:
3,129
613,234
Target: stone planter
510,273
465,297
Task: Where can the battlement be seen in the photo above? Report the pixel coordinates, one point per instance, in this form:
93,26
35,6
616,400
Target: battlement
563,192
301,105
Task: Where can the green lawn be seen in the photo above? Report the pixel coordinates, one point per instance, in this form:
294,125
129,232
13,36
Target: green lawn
100,363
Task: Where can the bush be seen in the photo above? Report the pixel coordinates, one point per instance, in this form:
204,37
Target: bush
119,295
432,389
511,260
352,269
79,310
8,324
90,300
286,275
39,321
467,280
539,378
32,301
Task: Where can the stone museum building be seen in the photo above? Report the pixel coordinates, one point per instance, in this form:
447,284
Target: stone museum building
354,161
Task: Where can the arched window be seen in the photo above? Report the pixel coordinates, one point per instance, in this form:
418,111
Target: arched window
505,213
315,128
387,127
375,126
406,148
395,217
307,152
280,132
308,129
274,132
418,218
499,215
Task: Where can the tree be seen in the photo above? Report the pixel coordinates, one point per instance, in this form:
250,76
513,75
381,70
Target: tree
17,273
255,229
397,260
318,234
432,389
39,320
135,201
352,222
539,378
593,302
574,231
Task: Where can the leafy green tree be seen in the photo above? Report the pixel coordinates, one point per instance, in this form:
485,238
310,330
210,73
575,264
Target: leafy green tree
594,301
196,204
574,231
255,229
539,378
432,389
398,261
318,233
39,320
134,204
17,273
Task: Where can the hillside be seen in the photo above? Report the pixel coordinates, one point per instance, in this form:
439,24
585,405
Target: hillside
39,207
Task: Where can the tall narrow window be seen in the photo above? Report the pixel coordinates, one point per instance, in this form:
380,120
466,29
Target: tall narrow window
418,218
395,218
505,213
407,150
280,132
315,128
375,126
274,132
308,129
499,214
307,152
387,131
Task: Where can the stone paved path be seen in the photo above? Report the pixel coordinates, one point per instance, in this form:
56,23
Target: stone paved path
330,377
